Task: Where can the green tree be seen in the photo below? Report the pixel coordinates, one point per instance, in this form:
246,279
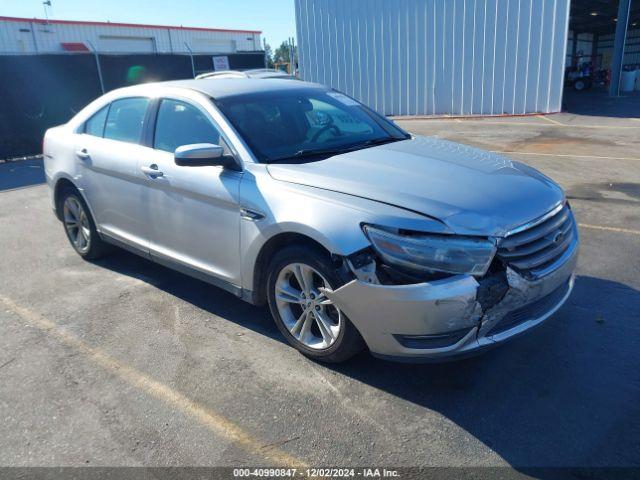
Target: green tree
282,53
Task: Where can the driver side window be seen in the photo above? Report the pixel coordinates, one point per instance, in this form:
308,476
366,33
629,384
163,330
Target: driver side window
180,123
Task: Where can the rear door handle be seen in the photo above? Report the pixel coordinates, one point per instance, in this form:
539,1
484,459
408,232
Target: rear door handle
152,171
83,154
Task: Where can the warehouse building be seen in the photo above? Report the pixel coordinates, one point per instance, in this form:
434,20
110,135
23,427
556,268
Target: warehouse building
599,36
461,57
39,36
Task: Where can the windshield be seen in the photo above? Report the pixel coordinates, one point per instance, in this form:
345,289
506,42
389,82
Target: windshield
304,125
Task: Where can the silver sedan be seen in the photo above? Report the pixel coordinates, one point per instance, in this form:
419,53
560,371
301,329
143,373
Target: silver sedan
354,232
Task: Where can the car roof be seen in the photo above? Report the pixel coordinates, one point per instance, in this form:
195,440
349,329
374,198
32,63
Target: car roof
228,87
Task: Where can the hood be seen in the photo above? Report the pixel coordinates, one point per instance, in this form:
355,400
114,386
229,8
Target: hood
472,191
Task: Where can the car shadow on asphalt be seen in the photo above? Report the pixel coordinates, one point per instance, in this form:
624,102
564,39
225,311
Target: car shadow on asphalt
200,294
566,394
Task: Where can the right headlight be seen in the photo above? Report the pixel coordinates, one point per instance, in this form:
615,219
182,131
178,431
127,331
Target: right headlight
432,253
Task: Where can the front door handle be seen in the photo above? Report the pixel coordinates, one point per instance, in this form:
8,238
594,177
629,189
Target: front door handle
152,171
83,154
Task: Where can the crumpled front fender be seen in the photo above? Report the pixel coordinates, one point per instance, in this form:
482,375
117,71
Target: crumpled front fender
443,318
380,311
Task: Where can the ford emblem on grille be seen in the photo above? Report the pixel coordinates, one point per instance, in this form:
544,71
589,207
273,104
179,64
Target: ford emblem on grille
558,237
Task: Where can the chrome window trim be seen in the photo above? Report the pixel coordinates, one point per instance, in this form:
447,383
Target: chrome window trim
538,220
152,91
77,122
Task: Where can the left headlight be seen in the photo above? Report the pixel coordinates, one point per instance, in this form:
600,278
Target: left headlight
428,253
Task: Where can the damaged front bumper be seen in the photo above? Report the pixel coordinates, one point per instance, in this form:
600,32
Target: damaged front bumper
443,319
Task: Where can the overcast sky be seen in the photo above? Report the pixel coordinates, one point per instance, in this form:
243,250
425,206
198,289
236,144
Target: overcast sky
276,18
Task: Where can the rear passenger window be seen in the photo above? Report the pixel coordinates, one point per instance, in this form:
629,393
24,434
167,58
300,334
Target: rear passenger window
125,119
95,125
182,124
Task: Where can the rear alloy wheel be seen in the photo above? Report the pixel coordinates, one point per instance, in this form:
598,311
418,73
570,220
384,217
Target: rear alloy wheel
306,317
80,227
77,225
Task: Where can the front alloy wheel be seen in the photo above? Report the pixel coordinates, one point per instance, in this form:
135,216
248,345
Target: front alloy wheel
296,278
306,312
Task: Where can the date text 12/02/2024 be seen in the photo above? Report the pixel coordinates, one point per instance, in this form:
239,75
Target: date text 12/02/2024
316,472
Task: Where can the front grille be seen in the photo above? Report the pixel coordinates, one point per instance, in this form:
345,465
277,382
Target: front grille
531,311
532,250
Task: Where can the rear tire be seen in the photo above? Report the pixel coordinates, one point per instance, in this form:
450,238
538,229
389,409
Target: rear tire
80,227
306,318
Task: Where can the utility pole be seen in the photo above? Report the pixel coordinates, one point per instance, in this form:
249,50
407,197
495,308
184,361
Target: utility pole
98,67
266,58
291,55
193,66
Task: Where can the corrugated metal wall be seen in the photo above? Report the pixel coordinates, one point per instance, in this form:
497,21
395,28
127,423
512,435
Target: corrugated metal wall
425,57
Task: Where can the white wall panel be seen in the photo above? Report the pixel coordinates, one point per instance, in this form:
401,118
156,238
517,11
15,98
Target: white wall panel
424,57
18,37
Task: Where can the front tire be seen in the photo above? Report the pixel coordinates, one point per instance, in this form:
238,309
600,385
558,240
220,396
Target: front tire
80,227
305,316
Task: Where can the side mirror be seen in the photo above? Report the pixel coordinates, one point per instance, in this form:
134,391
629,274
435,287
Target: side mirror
202,155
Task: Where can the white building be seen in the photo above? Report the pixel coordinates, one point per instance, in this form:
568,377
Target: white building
24,36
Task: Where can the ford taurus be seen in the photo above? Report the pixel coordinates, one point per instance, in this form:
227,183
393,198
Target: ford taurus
354,232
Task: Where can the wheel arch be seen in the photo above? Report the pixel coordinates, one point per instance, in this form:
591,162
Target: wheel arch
268,249
62,184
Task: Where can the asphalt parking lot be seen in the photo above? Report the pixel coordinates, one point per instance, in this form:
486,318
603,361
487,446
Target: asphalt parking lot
123,362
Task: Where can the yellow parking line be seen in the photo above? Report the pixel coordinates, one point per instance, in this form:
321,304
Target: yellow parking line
555,122
573,155
207,417
609,229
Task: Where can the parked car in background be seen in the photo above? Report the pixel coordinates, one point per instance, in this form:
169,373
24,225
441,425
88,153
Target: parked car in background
354,232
